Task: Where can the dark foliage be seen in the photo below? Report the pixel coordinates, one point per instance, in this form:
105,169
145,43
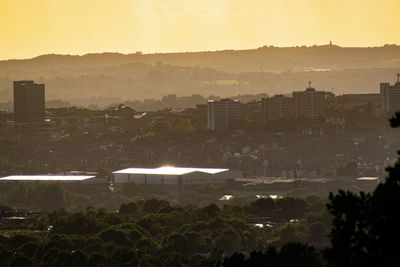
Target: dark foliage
365,226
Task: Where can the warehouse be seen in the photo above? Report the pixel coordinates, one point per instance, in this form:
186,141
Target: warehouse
175,176
64,179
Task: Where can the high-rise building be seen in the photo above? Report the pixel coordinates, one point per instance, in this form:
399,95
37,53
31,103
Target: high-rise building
278,107
309,104
29,102
221,113
391,96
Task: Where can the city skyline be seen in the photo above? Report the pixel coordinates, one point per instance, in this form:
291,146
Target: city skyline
75,27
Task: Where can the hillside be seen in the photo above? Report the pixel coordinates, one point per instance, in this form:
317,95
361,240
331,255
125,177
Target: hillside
269,70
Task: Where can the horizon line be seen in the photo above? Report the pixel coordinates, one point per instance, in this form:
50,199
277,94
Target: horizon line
141,53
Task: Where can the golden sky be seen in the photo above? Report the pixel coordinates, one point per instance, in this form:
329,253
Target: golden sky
33,27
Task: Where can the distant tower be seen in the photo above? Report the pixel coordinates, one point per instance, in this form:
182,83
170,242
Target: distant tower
277,107
330,42
221,113
390,96
309,104
28,101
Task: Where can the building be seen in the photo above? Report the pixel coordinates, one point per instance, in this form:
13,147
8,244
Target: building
363,97
64,179
277,107
390,95
309,104
221,113
121,111
201,108
29,101
175,176
250,109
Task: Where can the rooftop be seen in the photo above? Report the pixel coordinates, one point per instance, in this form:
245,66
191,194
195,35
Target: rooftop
169,170
46,178
367,179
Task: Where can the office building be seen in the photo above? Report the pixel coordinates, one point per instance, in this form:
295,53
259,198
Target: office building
221,113
278,107
309,104
390,95
29,103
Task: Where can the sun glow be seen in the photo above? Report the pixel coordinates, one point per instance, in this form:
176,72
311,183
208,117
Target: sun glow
33,27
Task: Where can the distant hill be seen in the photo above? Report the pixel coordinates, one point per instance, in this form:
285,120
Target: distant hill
230,72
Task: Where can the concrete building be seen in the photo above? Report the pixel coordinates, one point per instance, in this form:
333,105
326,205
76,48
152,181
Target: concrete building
201,108
363,97
221,113
251,107
309,104
390,95
175,176
278,107
29,103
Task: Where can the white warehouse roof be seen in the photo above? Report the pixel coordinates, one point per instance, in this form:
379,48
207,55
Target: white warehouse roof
46,178
367,179
169,170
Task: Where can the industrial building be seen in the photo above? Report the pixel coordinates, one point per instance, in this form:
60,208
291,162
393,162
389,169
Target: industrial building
175,176
221,113
29,101
391,96
64,179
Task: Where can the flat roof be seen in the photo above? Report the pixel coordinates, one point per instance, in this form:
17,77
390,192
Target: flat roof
46,178
367,178
169,170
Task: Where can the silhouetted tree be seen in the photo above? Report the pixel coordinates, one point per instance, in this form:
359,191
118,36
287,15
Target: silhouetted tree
154,205
365,226
262,206
129,208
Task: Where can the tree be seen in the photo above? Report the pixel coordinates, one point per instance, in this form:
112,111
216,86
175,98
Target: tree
262,206
211,211
182,126
116,236
291,254
291,208
123,257
297,254
129,208
175,242
365,227
79,223
228,240
317,232
154,205
20,260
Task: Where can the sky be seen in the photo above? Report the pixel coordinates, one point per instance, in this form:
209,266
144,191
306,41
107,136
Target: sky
29,28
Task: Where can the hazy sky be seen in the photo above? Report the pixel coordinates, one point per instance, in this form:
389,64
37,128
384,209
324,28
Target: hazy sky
32,27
